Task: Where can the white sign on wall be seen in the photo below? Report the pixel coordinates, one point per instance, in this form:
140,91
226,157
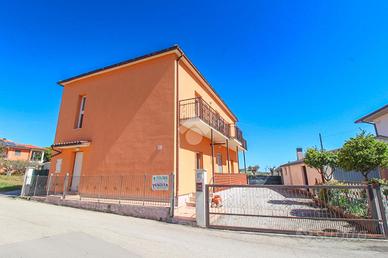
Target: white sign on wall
160,183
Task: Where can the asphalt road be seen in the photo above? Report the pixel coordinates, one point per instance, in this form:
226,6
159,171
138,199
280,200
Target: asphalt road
32,229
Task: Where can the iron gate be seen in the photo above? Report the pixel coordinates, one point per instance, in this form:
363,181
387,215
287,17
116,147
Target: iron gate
345,211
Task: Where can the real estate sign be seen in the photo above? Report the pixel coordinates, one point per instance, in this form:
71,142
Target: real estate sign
160,183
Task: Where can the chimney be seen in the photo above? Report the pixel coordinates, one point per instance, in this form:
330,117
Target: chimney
299,154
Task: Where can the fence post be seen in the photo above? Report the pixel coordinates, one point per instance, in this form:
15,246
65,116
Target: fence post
49,185
65,186
55,184
172,197
381,209
200,197
144,188
36,184
121,189
99,192
372,205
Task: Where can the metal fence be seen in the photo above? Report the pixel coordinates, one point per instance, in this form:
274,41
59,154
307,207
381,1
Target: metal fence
146,190
347,211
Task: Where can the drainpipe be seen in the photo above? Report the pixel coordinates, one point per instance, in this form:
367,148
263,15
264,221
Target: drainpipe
56,154
227,154
177,125
212,147
245,164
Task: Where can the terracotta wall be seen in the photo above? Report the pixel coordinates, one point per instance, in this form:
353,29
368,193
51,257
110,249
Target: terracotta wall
293,175
191,87
128,112
192,143
233,179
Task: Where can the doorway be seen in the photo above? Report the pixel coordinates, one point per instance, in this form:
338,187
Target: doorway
76,171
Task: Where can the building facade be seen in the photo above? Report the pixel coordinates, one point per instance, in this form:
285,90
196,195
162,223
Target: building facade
155,114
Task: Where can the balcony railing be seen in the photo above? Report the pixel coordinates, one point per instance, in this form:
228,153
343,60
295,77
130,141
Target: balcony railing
198,108
239,136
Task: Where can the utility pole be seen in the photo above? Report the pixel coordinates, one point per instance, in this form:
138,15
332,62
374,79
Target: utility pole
320,140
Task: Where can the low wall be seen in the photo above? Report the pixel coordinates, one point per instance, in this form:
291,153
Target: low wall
147,212
230,179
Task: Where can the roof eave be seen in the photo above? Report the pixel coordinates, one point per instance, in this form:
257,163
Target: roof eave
367,118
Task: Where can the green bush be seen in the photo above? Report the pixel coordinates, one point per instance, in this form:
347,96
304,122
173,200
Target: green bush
351,201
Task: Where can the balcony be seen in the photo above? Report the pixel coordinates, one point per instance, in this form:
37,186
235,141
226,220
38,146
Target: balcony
238,135
196,113
192,110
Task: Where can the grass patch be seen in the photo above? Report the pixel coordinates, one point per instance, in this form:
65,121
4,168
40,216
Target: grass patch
10,183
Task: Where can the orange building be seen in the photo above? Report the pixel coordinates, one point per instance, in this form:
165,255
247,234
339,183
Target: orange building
155,114
22,152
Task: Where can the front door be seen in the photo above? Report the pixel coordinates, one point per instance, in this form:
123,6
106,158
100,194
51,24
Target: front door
76,171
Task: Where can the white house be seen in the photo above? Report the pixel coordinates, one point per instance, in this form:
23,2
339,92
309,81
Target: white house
379,119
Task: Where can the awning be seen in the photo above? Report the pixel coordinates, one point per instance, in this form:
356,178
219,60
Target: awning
71,144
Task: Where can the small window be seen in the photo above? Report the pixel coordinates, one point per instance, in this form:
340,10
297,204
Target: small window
17,152
81,112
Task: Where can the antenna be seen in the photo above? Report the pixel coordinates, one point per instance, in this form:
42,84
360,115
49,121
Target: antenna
320,141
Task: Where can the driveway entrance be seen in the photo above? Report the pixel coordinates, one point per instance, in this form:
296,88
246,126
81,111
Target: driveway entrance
347,211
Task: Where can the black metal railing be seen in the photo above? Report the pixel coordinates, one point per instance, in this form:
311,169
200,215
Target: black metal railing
198,108
239,136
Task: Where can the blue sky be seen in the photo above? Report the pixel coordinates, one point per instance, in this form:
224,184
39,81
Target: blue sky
288,69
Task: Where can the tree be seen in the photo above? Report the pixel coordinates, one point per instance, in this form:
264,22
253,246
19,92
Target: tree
47,154
323,161
2,150
10,167
272,170
363,154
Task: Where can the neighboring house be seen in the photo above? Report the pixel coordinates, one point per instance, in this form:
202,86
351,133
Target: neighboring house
299,173
24,152
155,114
379,119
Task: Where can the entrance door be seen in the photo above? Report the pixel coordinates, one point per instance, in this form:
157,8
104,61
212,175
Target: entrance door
76,171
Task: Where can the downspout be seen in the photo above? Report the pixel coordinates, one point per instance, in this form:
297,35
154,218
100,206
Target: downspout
177,127
56,154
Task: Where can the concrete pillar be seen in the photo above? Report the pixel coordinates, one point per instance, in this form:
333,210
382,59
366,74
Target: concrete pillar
42,157
200,197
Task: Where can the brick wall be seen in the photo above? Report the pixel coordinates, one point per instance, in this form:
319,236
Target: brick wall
230,179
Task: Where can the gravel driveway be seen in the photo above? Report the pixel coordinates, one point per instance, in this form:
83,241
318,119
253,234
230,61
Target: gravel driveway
269,202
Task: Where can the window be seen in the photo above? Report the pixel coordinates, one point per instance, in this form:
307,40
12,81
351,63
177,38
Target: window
219,162
36,156
81,112
17,152
58,166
